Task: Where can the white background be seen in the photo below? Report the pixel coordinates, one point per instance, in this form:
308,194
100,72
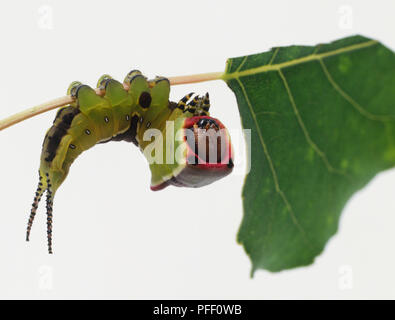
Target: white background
113,237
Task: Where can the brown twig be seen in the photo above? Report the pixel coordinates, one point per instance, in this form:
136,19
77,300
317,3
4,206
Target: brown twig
59,102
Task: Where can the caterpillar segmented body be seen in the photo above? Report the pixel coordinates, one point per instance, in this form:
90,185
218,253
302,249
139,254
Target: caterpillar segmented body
135,115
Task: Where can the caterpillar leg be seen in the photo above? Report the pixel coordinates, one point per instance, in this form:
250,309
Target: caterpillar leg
191,106
183,102
197,106
206,105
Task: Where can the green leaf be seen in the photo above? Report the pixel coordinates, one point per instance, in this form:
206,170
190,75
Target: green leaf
322,123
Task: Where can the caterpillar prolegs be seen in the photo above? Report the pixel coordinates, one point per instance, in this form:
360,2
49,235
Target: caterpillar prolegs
184,146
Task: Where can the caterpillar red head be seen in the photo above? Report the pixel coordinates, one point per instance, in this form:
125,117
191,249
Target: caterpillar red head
194,152
207,155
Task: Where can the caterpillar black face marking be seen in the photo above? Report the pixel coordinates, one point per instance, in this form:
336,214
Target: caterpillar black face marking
125,115
207,123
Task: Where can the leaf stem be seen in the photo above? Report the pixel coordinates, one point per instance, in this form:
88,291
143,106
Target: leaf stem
196,78
59,102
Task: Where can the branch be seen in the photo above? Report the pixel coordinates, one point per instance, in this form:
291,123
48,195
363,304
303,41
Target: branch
62,101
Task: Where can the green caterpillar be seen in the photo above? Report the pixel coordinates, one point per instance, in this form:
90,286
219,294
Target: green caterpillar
129,115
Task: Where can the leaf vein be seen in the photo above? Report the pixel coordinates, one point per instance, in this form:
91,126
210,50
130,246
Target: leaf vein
350,100
304,129
241,64
272,169
274,56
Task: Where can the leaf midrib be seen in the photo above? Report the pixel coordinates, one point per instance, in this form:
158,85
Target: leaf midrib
312,57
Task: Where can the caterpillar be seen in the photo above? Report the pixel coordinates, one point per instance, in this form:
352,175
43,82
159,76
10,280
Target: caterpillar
198,154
